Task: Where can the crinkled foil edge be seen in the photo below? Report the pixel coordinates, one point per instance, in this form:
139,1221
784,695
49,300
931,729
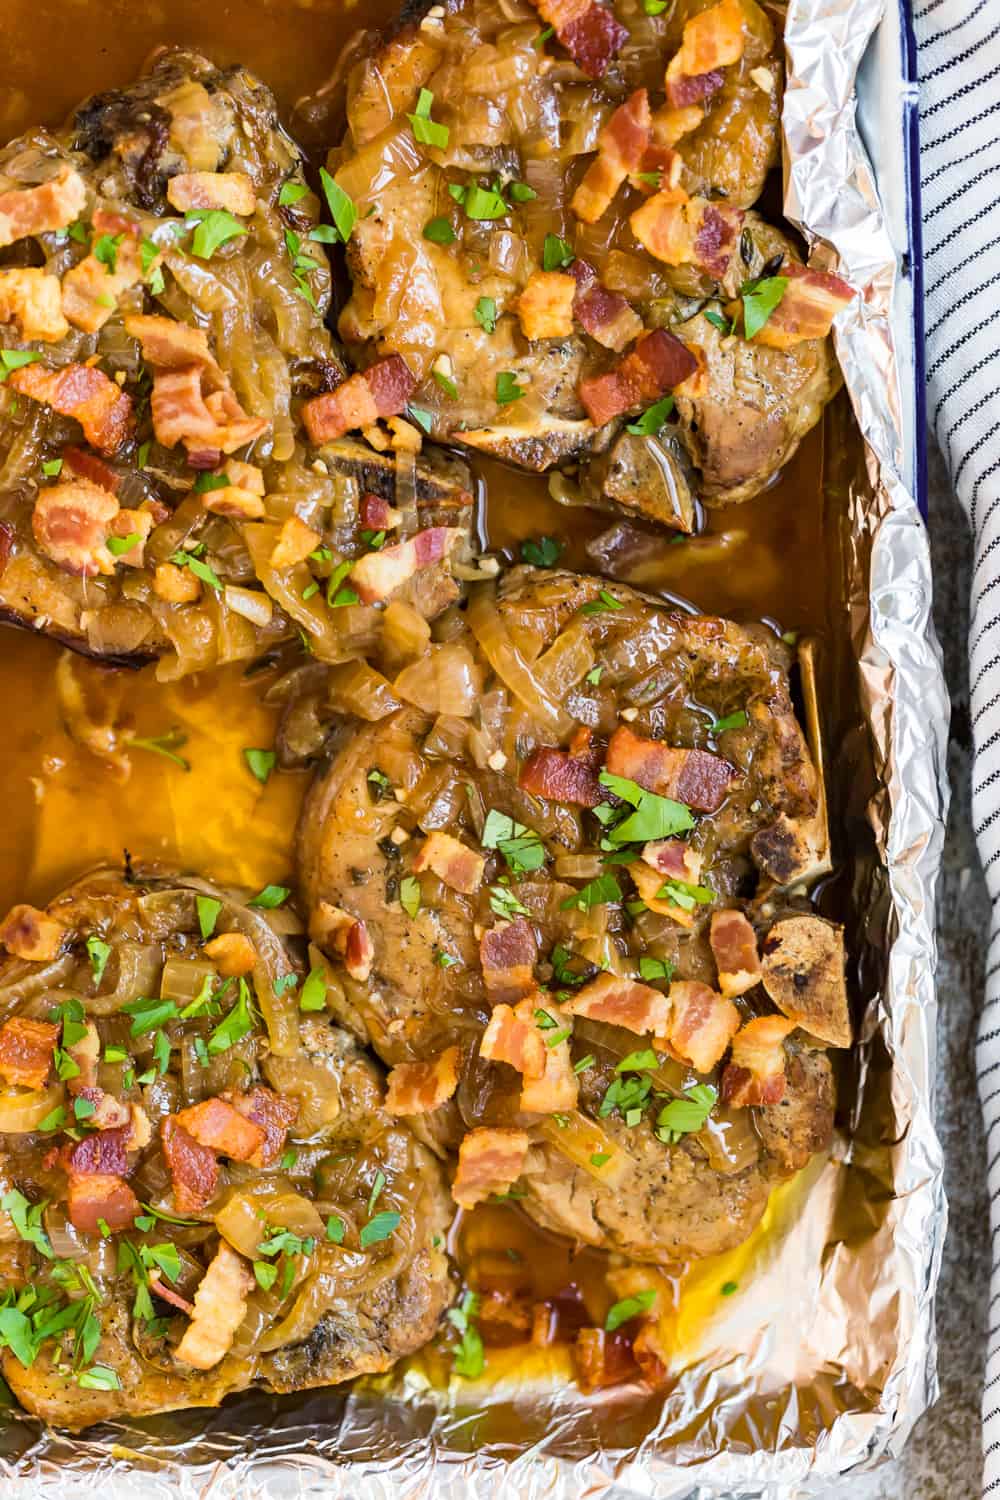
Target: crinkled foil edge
831,195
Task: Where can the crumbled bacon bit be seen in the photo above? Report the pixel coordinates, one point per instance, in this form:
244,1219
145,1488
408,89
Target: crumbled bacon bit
50,206
231,191
137,523
194,1170
673,859
621,147
84,465
31,298
649,883
377,575
192,401
175,585
589,32
688,231
603,1359
100,406
95,1198
507,953
622,1002
334,929
755,1073
91,289
558,1088
683,92
295,542
694,777
561,777
380,391
657,362
417,1088
220,1305
651,1354
715,38
234,501
702,1024
454,863
71,523
489,1161
32,934
513,1037
606,316
232,953
378,515
272,1114
26,1049
734,948
85,1053
217,1125
545,307
100,1154
811,301
109,1113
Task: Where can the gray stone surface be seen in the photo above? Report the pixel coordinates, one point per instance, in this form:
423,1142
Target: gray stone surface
943,1458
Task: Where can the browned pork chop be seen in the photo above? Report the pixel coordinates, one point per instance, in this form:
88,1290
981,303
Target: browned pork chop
162,301
200,1183
542,247
512,902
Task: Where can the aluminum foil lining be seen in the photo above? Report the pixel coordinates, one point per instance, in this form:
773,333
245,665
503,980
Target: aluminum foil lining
836,1344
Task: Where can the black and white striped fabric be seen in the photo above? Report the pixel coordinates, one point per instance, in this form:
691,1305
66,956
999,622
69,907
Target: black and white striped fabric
959,61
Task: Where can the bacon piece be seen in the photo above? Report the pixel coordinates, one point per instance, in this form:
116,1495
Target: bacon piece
31,298
232,953
649,882
102,1154
169,345
380,391
295,542
270,1113
378,575
85,1053
621,146
489,1161
50,206
216,1124
734,948
31,934
713,39
558,1088
702,1025
110,1114
603,1359
417,1088
682,92
606,316
97,1199
460,867
688,231
545,307
26,1049
589,32
102,409
513,1037
232,191
239,504
220,1305
694,777
86,465
71,523
334,929
378,515
132,525
561,777
91,289
507,953
194,1170
811,301
622,1002
670,126
673,859
175,585
755,1073
657,362
651,1354
192,402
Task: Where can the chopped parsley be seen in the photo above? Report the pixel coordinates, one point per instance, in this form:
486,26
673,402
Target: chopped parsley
654,817
760,298
718,321
643,1061
629,1308
728,1288
342,208
448,386
213,228
423,419
652,418
507,388
439,231
236,1025
556,253
485,314
52,467
98,952
15,359
445,960
602,604
737,720
148,1014
656,968
27,1220
119,545
106,249
520,192
595,893
469,1358
335,1229
503,903
200,569
291,192
521,847
681,893
594,675
584,1064
208,914
270,897
261,763
380,1228
312,996
427,132
409,895
163,744
687,1113
376,1192
541,553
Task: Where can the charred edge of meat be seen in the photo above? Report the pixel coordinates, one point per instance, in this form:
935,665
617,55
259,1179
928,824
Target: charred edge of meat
106,116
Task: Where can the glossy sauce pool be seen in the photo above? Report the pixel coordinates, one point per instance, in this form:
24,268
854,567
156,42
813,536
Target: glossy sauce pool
780,557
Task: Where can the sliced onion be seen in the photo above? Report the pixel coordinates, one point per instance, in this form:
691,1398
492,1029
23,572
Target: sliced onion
138,967
23,1110
508,663
356,688
252,604
183,978
445,681
566,662
580,1139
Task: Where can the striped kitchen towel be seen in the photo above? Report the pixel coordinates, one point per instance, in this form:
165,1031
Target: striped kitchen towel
959,63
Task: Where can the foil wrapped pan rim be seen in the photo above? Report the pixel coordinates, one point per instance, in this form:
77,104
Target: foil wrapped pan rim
330,1446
